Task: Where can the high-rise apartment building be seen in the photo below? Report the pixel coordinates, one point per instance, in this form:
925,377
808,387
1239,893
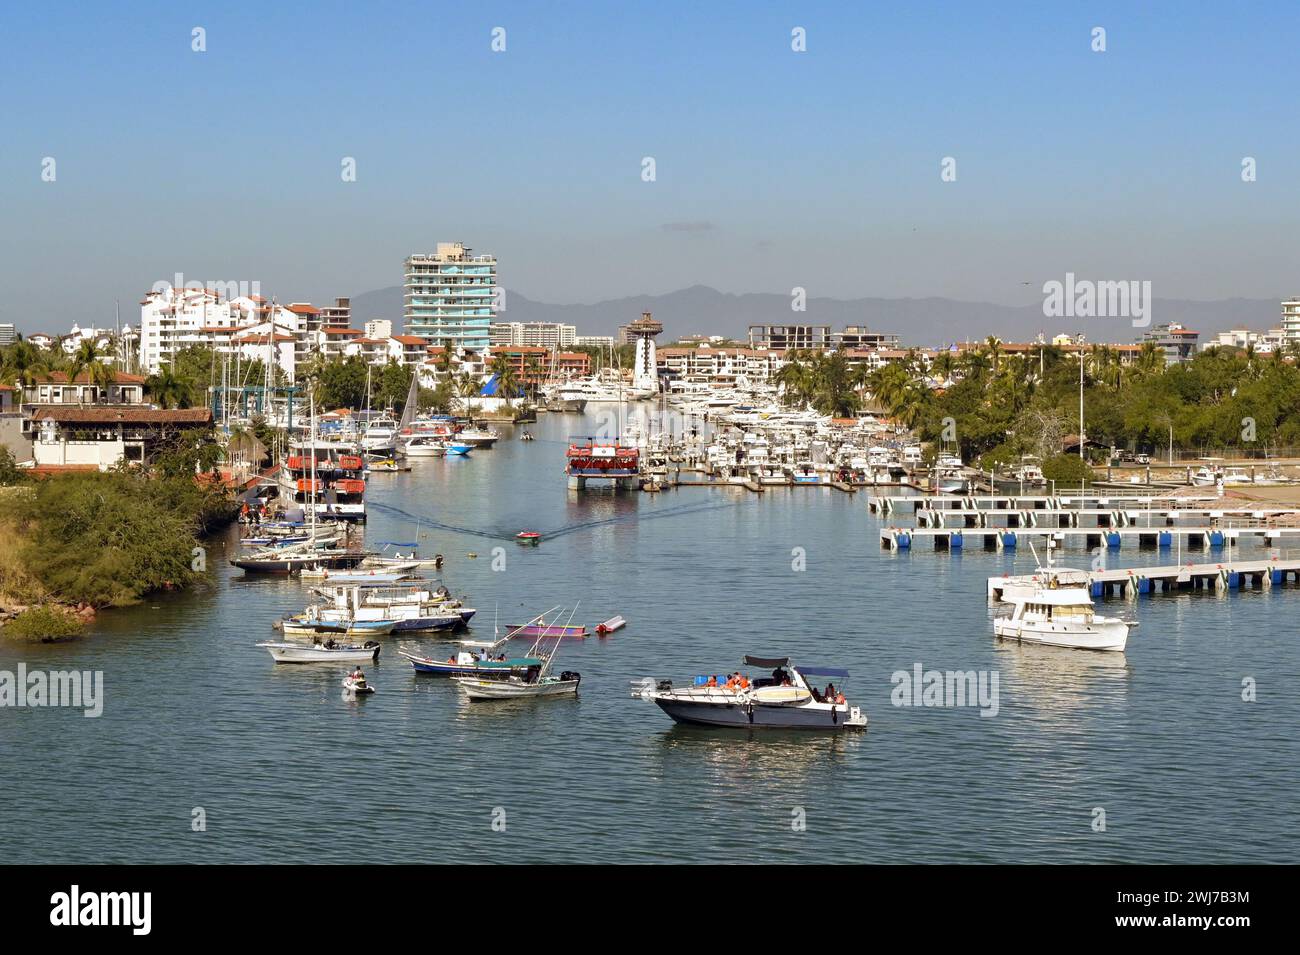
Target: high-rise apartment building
450,296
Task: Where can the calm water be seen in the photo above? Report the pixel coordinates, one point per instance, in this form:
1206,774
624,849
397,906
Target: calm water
286,770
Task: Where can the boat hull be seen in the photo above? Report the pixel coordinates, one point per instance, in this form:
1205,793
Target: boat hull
289,653
477,689
1111,637
758,716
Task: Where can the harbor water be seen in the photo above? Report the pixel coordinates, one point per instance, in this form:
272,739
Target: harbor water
207,752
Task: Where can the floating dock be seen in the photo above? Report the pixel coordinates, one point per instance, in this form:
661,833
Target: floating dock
1130,582
1113,538
887,504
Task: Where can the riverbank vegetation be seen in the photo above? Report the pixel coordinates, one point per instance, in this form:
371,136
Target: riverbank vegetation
87,541
997,406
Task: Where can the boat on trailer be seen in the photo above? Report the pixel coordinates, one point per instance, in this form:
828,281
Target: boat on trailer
784,700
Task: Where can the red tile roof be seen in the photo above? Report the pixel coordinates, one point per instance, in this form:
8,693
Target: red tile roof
128,414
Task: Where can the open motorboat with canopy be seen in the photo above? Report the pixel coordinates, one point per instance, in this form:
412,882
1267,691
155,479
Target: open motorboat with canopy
785,699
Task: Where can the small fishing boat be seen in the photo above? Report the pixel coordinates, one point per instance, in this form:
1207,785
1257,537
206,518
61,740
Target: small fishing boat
530,538
328,652
465,663
610,625
358,576
313,626
459,448
527,436
543,629
534,680
784,700
532,684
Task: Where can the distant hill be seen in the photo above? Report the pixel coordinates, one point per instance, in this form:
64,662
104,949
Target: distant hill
918,321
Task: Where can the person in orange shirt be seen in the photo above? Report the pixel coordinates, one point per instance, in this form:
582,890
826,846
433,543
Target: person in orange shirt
713,680
743,682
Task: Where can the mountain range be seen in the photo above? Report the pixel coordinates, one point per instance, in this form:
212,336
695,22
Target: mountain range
928,322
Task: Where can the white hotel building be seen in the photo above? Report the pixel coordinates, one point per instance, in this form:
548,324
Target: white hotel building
172,320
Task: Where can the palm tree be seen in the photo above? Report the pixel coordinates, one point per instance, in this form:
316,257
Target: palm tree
795,382
467,386
168,389
507,379
24,363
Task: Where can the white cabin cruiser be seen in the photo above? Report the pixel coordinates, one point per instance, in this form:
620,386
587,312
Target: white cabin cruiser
784,700
1055,613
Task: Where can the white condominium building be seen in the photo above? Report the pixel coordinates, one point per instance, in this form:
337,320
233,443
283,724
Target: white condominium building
550,335
450,296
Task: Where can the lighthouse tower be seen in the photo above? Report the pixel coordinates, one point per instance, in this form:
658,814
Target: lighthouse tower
644,375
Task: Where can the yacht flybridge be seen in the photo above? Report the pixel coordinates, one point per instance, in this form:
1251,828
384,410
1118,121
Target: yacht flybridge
1053,610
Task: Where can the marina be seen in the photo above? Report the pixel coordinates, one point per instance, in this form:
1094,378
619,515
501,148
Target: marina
683,548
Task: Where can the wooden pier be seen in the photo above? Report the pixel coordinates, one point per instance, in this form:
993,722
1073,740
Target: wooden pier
1131,582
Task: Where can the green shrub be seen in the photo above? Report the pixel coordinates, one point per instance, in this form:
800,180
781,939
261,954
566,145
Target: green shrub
43,625
1067,469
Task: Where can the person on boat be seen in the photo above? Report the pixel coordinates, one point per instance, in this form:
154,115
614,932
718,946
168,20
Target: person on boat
452,658
742,681
829,693
713,680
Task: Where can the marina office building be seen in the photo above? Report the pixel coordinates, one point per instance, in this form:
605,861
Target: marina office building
449,296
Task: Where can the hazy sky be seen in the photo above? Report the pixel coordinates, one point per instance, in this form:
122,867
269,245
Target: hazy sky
774,168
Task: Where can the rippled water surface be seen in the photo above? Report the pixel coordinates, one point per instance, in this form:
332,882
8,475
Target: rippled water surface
286,770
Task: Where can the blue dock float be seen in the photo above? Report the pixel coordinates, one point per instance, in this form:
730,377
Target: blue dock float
1113,540
1165,540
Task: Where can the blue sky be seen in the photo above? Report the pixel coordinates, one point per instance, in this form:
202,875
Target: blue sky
774,168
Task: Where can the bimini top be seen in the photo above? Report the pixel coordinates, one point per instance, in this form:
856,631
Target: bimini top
771,663
824,671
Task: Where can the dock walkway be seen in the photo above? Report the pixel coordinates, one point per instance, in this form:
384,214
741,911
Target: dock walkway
1130,582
